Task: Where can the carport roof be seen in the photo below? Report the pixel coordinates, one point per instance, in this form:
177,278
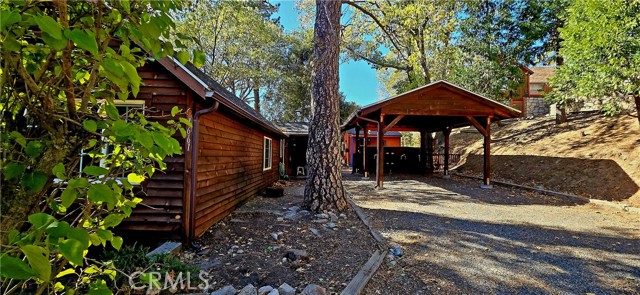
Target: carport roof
432,107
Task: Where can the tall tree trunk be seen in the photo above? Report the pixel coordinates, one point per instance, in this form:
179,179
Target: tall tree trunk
256,98
636,97
323,189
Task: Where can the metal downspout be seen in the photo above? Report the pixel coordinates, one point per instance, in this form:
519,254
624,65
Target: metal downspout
194,163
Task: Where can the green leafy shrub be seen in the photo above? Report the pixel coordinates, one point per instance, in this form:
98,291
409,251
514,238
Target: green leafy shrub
65,64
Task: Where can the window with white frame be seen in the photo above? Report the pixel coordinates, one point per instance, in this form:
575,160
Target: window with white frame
267,154
128,108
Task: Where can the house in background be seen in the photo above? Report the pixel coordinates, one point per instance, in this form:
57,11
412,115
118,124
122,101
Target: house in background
530,100
230,154
391,139
294,147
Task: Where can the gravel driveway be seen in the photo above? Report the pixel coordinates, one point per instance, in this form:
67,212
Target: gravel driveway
459,238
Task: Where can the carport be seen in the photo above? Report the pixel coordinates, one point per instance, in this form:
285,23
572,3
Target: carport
436,107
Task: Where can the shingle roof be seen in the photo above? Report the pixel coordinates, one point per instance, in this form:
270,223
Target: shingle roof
541,74
293,128
233,99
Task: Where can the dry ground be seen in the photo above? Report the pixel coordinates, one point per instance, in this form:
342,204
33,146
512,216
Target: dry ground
240,249
592,156
460,239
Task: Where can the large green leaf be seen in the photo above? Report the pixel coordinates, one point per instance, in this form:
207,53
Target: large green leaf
40,220
39,260
59,171
14,268
34,182
69,195
95,170
112,112
145,139
85,40
49,25
8,17
34,149
199,58
13,170
113,219
101,193
90,125
183,57
134,78
79,234
73,250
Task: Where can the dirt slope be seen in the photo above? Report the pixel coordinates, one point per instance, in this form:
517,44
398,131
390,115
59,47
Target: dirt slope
592,156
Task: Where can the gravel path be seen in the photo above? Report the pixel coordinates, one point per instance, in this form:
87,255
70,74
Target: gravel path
459,238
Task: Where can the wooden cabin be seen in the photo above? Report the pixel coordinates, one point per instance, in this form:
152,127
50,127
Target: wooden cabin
229,155
530,100
295,147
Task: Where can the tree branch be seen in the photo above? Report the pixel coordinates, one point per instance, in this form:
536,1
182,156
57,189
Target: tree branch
377,62
377,21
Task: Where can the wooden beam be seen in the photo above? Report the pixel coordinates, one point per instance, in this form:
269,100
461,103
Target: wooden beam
477,124
423,150
393,123
354,153
487,155
380,153
447,132
364,151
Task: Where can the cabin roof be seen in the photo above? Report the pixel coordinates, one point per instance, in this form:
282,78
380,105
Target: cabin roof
205,87
293,128
432,107
541,74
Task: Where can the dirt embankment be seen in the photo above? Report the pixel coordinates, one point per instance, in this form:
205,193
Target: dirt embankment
593,156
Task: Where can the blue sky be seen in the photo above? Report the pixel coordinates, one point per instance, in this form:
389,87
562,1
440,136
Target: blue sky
358,80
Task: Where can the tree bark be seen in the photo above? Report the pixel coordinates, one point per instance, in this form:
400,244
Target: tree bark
561,115
256,99
323,190
636,97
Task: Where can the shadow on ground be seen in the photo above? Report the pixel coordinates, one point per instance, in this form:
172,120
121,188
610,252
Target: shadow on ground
480,257
459,238
566,174
435,190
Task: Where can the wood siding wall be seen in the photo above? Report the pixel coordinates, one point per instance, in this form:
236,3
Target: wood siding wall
165,190
229,167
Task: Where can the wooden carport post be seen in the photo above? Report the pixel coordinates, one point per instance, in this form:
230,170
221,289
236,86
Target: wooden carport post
446,132
380,153
364,152
354,158
487,156
486,132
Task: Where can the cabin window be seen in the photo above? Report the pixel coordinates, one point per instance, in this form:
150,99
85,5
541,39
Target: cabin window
130,108
267,154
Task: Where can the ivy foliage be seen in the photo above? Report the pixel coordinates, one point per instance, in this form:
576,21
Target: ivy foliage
601,48
66,67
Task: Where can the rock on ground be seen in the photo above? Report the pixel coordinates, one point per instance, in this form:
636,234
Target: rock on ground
313,289
226,290
286,289
248,290
265,290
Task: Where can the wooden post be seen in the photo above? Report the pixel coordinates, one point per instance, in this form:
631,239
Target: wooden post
353,157
380,153
487,156
423,151
364,152
446,132
429,144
